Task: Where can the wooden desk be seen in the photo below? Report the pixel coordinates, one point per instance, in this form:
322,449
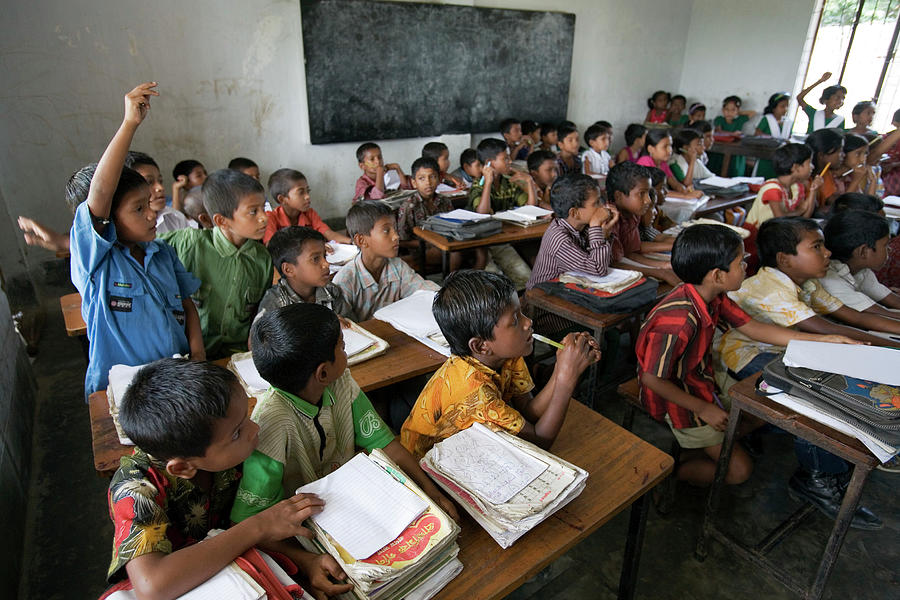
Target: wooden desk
406,358
622,467
744,398
741,148
71,310
718,204
510,235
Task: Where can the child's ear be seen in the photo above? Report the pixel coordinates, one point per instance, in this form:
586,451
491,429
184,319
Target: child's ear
573,212
782,260
359,240
322,372
618,196
861,252
281,198
181,467
479,345
219,220
287,269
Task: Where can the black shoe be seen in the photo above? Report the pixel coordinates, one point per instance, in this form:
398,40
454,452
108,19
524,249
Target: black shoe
824,491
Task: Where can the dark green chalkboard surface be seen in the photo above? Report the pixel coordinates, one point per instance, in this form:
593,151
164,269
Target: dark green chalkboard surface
386,70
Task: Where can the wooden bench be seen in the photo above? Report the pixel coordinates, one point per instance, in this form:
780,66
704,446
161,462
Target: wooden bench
630,391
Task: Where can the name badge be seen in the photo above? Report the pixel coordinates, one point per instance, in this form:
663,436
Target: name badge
120,303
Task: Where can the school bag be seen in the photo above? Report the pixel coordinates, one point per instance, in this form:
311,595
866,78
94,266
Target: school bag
458,230
642,293
872,407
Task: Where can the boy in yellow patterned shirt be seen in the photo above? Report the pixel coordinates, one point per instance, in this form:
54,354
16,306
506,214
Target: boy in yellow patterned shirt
486,380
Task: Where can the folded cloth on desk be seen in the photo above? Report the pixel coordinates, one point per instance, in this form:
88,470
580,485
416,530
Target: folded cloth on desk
534,482
412,315
415,564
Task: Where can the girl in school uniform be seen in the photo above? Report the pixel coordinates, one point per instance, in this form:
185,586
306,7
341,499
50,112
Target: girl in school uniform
686,165
863,114
697,113
635,136
657,152
828,156
658,104
732,120
855,174
832,98
676,107
776,124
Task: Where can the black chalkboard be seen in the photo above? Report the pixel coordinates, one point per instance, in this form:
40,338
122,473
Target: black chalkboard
386,70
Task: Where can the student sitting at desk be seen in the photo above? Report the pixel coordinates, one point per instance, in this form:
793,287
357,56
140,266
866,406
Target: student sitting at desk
568,160
486,380
657,152
167,218
187,175
315,417
855,174
469,170
544,171
290,189
135,291
827,157
496,192
674,366
38,234
774,123
686,165
233,266
658,105
655,221
549,137
298,254
370,185
439,153
425,176
635,137
578,238
376,277
676,118
190,423
785,195
732,120
511,130
628,186
596,161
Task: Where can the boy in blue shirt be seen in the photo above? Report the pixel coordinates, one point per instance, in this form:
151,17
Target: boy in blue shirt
135,292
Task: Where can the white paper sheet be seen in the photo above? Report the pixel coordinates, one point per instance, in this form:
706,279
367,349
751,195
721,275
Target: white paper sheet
411,315
120,378
892,201
443,188
613,276
750,180
723,182
461,214
365,508
872,363
482,463
247,370
391,180
343,253
355,342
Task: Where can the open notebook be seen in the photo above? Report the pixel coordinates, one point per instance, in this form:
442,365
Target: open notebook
412,315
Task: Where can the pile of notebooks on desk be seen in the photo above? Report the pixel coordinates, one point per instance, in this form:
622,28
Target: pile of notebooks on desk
387,535
525,216
412,315
506,484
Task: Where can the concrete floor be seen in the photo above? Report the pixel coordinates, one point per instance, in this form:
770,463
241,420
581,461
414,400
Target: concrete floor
68,535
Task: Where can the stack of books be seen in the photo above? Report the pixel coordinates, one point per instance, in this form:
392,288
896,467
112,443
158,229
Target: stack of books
388,536
412,315
525,216
506,484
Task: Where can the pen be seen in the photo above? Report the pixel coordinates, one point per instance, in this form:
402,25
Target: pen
546,340
481,181
825,170
395,473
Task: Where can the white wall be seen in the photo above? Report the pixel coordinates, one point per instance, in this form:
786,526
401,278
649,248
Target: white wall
232,83
746,49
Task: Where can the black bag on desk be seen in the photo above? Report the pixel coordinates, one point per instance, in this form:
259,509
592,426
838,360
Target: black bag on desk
629,300
740,189
462,230
867,405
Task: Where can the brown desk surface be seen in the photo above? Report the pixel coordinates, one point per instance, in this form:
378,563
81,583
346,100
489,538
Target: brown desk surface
622,467
406,358
743,149
510,234
571,311
71,310
793,422
714,205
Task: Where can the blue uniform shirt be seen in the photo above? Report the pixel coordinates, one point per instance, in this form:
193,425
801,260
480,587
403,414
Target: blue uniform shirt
133,312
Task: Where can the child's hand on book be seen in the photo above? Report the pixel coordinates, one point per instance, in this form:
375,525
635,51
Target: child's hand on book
840,339
285,519
322,571
447,506
137,102
714,416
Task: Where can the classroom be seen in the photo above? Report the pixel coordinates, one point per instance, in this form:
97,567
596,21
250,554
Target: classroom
235,80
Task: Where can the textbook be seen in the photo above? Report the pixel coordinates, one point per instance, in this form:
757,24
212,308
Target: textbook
412,315
525,216
413,564
508,486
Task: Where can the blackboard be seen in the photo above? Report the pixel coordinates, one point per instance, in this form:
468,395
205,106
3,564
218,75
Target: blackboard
387,70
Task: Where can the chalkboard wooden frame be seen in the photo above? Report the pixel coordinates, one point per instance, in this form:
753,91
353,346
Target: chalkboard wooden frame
388,70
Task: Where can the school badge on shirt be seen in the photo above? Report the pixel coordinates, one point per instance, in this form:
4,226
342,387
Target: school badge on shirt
120,303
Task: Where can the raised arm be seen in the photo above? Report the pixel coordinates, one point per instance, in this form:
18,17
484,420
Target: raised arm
802,95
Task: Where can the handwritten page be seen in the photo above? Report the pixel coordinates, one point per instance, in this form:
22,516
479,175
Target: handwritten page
480,461
248,373
863,362
365,508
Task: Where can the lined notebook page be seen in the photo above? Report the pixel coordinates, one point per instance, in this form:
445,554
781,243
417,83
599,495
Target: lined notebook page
365,508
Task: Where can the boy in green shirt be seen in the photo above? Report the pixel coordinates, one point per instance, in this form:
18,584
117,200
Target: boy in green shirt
314,417
234,268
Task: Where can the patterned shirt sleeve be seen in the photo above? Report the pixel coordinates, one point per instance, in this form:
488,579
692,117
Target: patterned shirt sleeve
370,431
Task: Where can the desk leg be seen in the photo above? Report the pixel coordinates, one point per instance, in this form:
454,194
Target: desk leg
712,502
637,523
594,372
445,263
422,257
726,162
841,525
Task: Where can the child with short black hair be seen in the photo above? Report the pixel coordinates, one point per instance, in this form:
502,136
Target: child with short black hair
531,134
675,117
234,267
596,161
439,153
578,238
190,423
425,177
500,191
135,291
376,277
706,133
568,160
786,194
469,170
298,254
544,171
549,137
658,105
688,148
832,98
855,174
245,166
167,218
635,136
628,186
187,174
371,185
511,130
858,241
486,379
195,211
673,349
314,417
290,189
